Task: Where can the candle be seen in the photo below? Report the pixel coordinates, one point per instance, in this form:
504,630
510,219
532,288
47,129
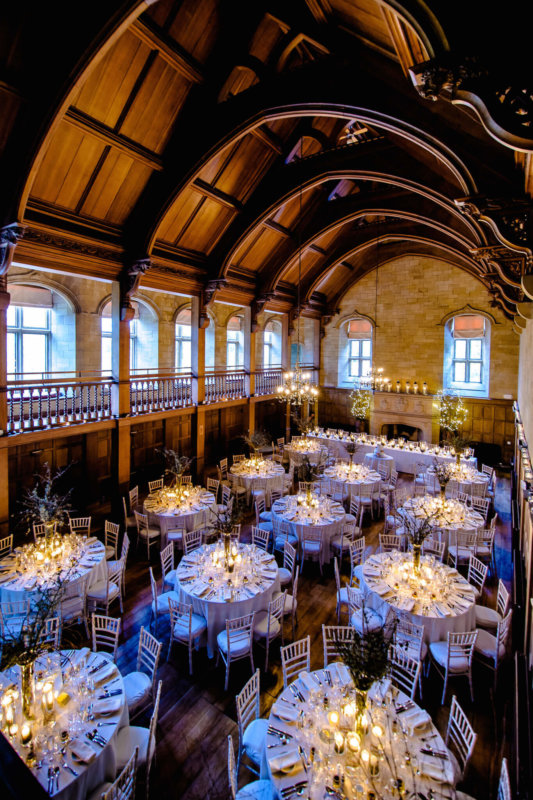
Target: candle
349,710
25,734
339,743
389,386
365,756
377,730
353,740
397,386
424,388
333,717
13,730
407,387
9,715
415,387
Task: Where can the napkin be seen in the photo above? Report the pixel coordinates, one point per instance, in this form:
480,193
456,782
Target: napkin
82,751
344,674
285,712
435,767
108,706
380,587
442,610
308,681
415,718
105,673
287,758
371,570
79,656
199,588
379,690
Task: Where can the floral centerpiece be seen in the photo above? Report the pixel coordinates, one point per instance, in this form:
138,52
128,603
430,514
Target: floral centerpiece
308,473
417,529
222,524
351,449
43,505
175,465
459,444
255,441
444,473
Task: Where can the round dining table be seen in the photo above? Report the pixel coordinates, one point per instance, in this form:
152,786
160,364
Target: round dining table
258,473
300,449
22,573
323,514
439,598
447,515
204,581
312,748
373,460
87,697
353,477
168,510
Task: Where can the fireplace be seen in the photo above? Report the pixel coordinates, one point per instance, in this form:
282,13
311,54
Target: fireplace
396,429
413,412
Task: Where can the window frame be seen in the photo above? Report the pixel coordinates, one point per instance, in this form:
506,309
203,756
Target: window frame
19,330
179,340
468,360
467,387
358,359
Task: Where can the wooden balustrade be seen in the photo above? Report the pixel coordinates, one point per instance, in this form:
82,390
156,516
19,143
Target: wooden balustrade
54,403
267,381
160,393
225,386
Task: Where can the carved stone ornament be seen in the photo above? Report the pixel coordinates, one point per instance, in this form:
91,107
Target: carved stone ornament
508,264
9,236
509,218
71,245
257,307
129,284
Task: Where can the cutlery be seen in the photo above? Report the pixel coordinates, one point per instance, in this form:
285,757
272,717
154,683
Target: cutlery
297,693
287,790
50,779
106,723
302,756
70,769
328,676
56,776
405,707
94,737
97,667
317,679
278,744
277,732
107,694
437,753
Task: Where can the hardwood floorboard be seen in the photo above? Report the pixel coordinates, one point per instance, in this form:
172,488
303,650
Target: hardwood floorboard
196,714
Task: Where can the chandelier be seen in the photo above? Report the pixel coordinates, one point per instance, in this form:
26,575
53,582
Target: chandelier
297,388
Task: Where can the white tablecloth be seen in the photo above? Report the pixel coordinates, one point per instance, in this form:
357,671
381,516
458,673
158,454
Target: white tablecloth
296,456
328,529
373,461
352,482
273,479
394,716
178,518
217,610
18,588
461,518
103,767
436,627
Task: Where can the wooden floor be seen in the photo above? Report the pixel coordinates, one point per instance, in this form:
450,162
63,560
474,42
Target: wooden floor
196,714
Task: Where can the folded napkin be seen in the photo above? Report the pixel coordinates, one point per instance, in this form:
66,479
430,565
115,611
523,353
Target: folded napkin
378,690
344,674
308,681
267,572
199,588
435,767
380,587
82,751
414,719
286,759
79,656
405,603
105,673
285,712
108,706
442,610
371,570
92,539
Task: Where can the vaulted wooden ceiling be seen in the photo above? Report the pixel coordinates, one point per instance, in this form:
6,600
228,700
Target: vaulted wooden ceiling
244,146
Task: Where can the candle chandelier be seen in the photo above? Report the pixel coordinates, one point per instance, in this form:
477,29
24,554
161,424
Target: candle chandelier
297,388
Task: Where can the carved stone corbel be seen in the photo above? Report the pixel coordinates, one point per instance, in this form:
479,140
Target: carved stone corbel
257,307
208,297
129,284
9,236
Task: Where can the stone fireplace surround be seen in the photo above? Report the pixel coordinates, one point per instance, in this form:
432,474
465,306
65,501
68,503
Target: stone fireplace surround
416,410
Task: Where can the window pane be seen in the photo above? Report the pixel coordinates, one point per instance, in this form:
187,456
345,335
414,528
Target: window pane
106,354
354,368
232,354
11,315
266,355
460,348
185,355
107,324
35,317
475,348
34,352
366,348
365,368
133,328
354,348
183,331
475,372
459,371
11,362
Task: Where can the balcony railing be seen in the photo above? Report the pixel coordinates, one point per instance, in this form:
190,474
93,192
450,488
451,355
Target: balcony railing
225,386
32,407
267,381
148,393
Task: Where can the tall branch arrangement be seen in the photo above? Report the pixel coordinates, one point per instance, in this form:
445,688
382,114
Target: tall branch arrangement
256,440
443,471
304,426
361,403
308,472
452,411
175,465
367,654
43,504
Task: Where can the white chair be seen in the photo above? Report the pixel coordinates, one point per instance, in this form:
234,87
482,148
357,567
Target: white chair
256,790
111,534
73,608
362,618
504,786
80,525
331,635
103,593
14,614
129,519
192,540
236,642
186,627
133,498
105,634
50,634
460,739
168,572
432,547
312,546
461,545
342,592
160,601
260,515
490,617
286,572
485,547
295,658
252,729
154,486
341,544
6,545
175,536
410,637
145,532
356,512
260,538
290,607
124,786
282,534
268,624
357,555
139,686
389,542
477,575
40,529
212,485
481,504
405,672
453,658
124,550
490,649
131,738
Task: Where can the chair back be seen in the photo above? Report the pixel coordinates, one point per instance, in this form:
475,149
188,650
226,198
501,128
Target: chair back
331,635
405,672
357,551
105,633
124,786
248,703
289,557
125,548
477,573
167,559
502,599
154,486
39,529
502,634
192,540
232,769
180,620
275,494
51,632
238,630
432,547
460,648
235,535
482,505
306,486
479,489
212,485
409,637
460,736
141,520
337,574
153,586
276,608
111,534
6,545
389,542
504,786
226,495
295,658
148,653
238,458
260,537
356,509
223,466
152,731
260,508
74,600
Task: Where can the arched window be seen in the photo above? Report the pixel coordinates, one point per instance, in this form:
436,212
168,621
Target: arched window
41,332
183,340
143,338
272,344
467,355
355,353
235,343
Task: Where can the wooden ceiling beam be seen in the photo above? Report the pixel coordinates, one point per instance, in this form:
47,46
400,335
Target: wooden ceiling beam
217,195
264,135
275,226
78,119
169,50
